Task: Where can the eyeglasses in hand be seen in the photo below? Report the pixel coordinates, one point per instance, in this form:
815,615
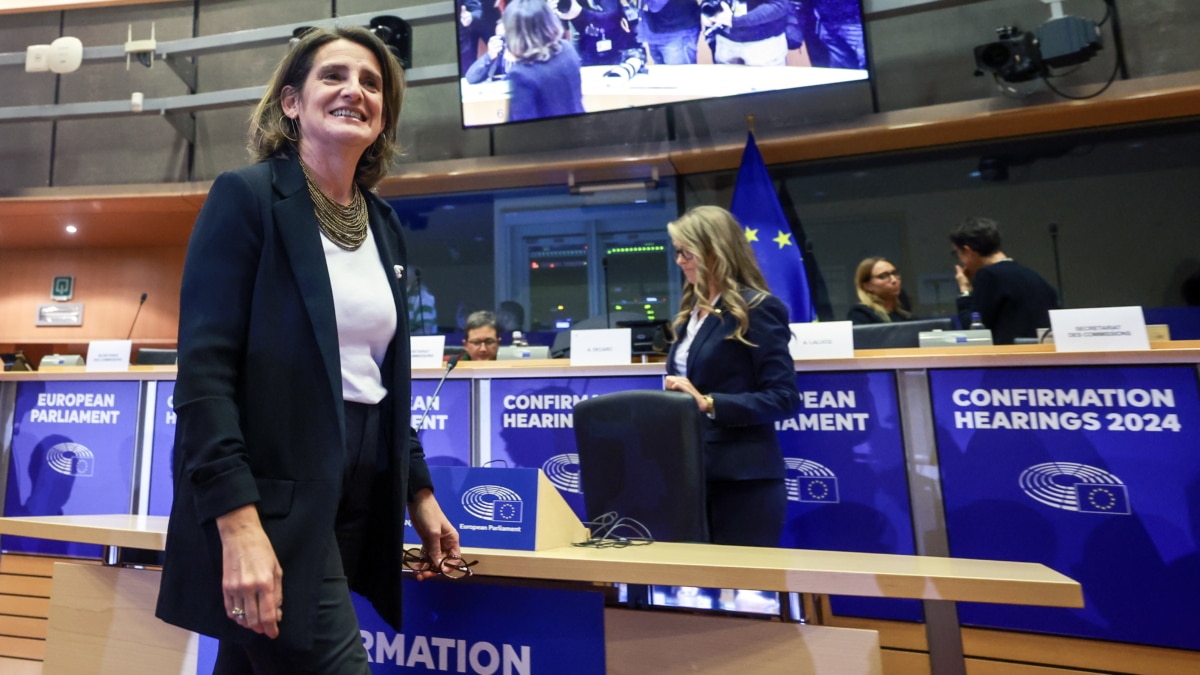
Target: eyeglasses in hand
451,566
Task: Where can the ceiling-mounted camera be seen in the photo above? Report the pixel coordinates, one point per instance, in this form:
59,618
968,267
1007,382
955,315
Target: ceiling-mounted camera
1020,56
396,33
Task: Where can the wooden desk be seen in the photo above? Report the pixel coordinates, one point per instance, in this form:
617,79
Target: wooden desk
101,617
791,570
93,608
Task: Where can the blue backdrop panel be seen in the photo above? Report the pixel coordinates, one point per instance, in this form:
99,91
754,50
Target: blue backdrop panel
162,489
846,478
490,508
446,431
532,425
477,628
1094,472
454,627
72,454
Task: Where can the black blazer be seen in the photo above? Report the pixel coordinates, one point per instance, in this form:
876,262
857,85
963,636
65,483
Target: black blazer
259,404
752,387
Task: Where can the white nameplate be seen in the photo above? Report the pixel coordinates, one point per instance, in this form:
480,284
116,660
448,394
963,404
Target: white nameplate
426,350
603,347
822,340
108,355
1099,329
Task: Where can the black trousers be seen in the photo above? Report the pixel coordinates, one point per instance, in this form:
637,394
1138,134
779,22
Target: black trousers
746,512
337,645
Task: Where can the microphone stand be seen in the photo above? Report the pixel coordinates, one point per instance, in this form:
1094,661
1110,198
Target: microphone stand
437,390
1057,267
135,316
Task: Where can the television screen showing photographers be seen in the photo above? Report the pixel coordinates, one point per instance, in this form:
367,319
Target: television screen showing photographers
534,59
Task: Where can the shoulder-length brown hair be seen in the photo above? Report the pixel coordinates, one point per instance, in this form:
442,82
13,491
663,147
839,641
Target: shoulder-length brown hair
272,133
532,31
716,239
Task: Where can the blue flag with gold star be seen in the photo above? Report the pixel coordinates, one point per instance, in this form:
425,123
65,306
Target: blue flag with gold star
756,206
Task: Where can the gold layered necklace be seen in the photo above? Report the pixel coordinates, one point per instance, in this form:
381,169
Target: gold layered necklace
345,226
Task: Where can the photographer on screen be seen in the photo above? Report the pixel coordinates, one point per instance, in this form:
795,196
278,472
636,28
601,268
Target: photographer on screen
492,65
670,29
747,32
604,30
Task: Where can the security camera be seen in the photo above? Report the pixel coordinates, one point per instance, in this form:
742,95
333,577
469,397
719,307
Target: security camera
61,56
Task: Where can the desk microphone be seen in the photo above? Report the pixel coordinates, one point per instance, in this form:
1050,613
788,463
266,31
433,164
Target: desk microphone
449,367
135,316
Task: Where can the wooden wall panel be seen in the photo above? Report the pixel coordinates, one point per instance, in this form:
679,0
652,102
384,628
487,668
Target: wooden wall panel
109,283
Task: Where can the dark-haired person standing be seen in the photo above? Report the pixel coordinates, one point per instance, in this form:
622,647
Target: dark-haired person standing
294,459
1012,300
732,357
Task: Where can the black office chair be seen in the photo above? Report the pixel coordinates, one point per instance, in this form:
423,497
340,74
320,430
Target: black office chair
641,455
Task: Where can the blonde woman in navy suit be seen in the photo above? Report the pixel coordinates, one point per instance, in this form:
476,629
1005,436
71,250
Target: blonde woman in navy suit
731,356
294,461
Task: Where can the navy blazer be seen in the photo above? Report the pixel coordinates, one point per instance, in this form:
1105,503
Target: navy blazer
752,387
259,404
546,89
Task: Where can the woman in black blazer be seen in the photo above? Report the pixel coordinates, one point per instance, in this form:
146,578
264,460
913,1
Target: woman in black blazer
293,452
732,356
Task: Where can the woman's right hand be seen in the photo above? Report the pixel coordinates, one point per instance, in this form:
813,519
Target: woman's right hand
252,580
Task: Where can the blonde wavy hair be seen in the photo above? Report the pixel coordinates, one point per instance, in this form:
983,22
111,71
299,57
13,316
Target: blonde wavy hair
716,239
861,276
272,133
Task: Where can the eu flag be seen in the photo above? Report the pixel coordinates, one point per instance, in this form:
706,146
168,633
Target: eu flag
756,206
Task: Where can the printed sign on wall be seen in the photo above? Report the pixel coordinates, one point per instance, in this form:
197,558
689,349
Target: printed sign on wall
72,454
1093,472
846,478
532,425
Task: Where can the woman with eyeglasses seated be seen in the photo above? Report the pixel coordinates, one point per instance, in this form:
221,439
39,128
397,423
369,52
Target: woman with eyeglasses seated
482,342
880,297
731,356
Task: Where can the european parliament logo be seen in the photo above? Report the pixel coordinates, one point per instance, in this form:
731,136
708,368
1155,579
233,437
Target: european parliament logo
1075,487
71,459
493,502
810,482
563,472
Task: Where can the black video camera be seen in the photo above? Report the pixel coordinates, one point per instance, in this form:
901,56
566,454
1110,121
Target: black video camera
1014,57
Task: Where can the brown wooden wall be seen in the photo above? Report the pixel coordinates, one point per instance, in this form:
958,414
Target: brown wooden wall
109,283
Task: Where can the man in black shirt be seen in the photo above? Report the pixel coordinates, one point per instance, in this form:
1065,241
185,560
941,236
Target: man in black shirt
1012,300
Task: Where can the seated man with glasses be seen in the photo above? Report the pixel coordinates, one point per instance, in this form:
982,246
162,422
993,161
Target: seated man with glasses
482,342
880,297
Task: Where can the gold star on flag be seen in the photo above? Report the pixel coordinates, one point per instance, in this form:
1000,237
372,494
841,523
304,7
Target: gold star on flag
784,239
751,234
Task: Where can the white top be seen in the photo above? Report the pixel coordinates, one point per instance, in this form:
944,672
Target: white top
685,345
366,317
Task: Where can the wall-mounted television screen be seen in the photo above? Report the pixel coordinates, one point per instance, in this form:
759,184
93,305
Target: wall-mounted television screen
535,59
